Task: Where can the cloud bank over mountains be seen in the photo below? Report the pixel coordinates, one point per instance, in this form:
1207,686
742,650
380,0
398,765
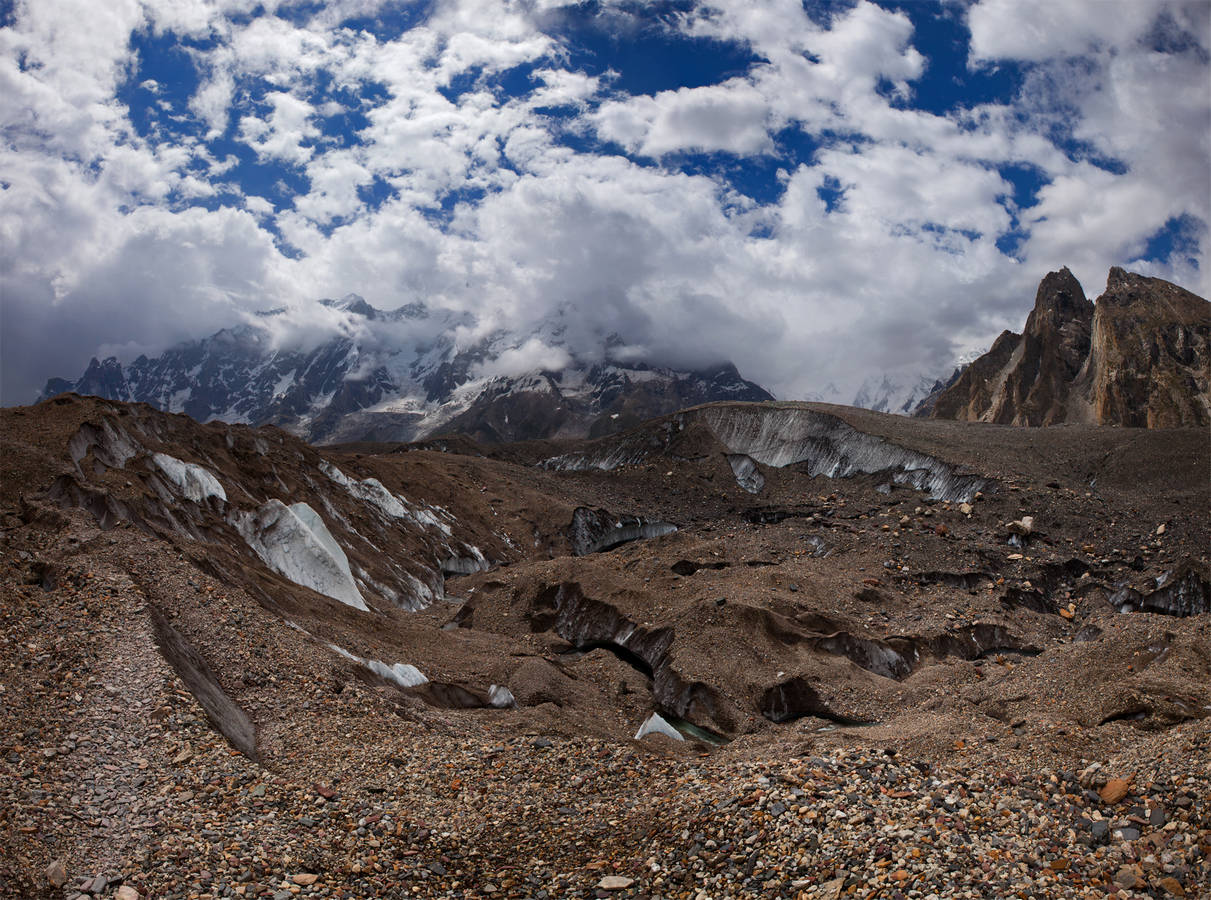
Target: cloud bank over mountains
813,191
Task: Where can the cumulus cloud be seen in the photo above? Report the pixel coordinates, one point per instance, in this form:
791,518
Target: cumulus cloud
531,356
559,207
1040,30
280,135
731,117
1127,94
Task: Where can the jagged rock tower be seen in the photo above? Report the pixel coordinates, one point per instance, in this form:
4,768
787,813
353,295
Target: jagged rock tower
1140,356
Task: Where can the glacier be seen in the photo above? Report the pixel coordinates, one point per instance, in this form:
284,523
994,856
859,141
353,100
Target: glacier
194,481
778,435
295,543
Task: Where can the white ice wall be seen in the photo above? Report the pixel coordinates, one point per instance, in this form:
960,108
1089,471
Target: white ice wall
295,543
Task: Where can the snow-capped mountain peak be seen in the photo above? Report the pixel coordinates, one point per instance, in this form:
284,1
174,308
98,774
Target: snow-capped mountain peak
400,375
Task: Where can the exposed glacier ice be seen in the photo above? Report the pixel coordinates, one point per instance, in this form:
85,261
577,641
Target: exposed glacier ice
594,530
295,543
403,674
656,724
782,435
748,476
374,492
109,444
473,561
194,481
1184,591
500,697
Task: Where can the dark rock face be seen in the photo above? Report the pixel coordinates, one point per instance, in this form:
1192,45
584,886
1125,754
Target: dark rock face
1140,356
611,398
103,379
975,386
925,407
1025,379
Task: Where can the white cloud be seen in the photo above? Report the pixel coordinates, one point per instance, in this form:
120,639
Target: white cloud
559,87
533,355
1139,110
731,117
100,247
258,206
281,134
335,179
1039,30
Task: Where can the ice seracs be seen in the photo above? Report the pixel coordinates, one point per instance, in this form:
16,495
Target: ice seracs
295,543
194,481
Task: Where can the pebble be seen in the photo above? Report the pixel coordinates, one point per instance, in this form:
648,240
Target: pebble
615,883
1115,790
56,873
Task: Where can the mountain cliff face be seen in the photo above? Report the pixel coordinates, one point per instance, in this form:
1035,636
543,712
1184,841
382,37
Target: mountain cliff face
399,376
1140,356
1150,361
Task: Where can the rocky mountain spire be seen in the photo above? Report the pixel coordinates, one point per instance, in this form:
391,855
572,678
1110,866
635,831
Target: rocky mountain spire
1139,356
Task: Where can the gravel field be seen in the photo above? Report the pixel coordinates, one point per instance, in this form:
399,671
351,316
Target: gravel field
1011,774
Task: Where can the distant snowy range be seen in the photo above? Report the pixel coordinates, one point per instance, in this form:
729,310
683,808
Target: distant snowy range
406,375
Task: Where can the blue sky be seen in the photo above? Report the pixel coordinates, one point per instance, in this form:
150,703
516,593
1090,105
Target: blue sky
817,191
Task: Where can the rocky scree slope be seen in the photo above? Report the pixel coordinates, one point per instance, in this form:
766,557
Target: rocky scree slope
1140,356
174,674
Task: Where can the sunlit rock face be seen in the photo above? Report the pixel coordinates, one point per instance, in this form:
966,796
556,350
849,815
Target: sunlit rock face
1150,361
1140,356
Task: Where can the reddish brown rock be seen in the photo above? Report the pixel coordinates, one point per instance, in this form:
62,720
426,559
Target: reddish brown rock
1173,886
1115,790
1140,356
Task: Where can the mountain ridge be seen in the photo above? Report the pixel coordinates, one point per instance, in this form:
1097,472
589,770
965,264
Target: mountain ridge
1138,356
363,384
